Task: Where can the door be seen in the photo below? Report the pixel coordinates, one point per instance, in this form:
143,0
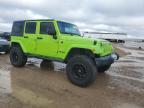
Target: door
30,35
46,44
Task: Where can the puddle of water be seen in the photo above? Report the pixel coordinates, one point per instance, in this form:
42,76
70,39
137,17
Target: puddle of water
5,82
128,72
29,97
46,65
59,66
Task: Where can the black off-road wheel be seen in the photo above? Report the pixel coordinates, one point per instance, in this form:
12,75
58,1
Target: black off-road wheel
17,57
81,70
102,69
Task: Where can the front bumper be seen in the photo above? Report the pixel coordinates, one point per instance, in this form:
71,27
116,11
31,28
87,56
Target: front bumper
4,48
106,60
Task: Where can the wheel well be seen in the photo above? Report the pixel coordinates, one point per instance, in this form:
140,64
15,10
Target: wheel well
14,44
79,51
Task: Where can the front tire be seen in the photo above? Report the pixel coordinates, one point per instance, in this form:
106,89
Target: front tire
17,57
81,70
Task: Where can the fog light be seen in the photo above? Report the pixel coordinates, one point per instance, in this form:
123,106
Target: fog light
114,56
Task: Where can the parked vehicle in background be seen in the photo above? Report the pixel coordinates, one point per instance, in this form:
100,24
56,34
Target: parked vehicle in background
5,35
4,45
61,41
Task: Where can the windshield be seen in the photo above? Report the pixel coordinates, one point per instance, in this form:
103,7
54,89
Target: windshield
67,28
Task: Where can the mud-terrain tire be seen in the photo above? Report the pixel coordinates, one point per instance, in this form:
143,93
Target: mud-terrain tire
17,57
81,70
102,69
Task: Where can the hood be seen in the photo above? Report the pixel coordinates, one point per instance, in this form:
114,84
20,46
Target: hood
86,40
4,42
98,46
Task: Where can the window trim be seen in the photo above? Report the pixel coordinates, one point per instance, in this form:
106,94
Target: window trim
26,25
45,22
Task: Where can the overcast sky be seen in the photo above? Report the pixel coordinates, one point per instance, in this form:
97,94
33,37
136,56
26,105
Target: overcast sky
92,15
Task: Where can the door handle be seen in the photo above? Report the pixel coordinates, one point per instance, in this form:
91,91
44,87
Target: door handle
39,38
25,36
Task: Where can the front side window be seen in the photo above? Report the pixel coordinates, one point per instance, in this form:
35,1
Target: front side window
46,27
67,28
18,28
30,27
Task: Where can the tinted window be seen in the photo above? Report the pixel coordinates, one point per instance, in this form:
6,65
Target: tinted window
30,27
17,29
45,27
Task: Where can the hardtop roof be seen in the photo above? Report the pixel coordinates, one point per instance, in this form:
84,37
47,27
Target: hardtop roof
41,20
35,20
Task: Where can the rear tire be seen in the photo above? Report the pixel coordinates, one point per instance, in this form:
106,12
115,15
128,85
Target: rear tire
81,70
102,69
17,57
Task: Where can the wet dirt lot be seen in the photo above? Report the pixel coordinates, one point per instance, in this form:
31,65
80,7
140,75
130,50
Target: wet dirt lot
40,86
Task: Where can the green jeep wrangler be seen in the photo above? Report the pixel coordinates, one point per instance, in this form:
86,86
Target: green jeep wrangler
61,41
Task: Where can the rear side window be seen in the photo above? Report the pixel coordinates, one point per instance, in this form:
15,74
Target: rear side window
45,27
30,27
18,28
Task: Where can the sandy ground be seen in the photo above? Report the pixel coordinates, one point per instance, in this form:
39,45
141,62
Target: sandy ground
40,86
